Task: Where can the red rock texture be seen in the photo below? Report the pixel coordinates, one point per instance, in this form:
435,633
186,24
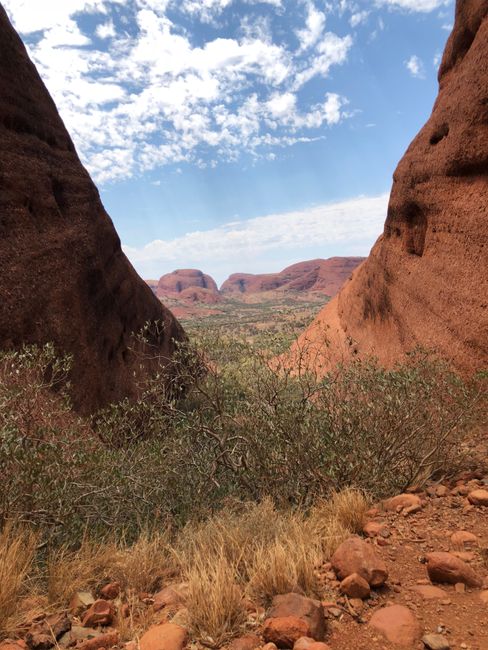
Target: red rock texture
426,279
326,276
64,276
182,279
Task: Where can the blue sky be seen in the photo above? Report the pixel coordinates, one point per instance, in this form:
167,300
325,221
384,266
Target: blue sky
239,135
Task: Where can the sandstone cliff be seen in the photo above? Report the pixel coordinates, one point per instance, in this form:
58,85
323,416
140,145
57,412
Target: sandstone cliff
426,280
63,276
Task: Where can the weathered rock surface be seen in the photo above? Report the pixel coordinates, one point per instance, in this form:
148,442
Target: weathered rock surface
167,636
292,616
326,276
188,284
355,556
64,276
426,280
397,624
447,568
478,497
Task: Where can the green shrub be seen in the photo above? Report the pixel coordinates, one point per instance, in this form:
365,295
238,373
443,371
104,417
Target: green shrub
241,432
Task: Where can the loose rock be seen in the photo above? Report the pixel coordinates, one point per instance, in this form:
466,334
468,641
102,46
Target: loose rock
355,586
398,624
102,612
447,568
478,497
435,642
307,609
356,556
164,637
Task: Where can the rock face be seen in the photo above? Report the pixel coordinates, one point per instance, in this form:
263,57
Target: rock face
426,279
64,276
182,279
190,285
326,276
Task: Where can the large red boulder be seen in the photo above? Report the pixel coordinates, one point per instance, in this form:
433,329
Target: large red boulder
426,280
64,278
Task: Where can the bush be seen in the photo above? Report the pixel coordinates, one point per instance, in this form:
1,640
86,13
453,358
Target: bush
243,431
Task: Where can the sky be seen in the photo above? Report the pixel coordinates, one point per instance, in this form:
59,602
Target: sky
239,135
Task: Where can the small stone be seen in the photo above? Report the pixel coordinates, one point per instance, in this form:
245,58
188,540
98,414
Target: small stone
429,592
80,602
401,501
374,528
167,636
167,597
297,606
460,588
110,591
355,586
484,597
478,497
107,640
284,631
246,642
462,538
435,642
102,612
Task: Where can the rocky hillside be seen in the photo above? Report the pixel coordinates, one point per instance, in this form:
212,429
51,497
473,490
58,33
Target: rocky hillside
325,276
426,280
64,276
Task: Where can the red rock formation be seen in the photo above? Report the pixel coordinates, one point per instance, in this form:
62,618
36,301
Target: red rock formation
426,279
182,279
190,285
63,276
326,276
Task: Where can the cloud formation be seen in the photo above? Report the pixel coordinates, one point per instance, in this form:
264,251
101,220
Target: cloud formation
351,225
415,66
138,87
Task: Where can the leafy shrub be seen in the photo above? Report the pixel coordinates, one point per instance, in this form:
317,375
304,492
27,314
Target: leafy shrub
243,431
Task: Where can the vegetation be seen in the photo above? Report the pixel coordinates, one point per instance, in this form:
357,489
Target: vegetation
239,481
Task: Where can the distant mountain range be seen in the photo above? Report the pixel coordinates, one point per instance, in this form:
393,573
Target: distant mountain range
321,276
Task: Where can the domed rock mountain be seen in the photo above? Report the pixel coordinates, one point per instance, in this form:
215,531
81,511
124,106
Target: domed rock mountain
64,276
426,280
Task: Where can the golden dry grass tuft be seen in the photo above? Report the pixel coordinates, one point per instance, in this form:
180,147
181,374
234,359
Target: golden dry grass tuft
85,568
17,551
215,599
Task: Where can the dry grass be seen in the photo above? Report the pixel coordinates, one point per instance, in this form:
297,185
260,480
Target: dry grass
17,551
86,568
145,565
215,599
246,551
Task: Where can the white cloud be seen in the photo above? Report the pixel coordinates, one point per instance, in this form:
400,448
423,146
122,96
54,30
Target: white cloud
347,223
358,18
415,66
315,24
331,50
105,30
437,59
414,5
158,98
